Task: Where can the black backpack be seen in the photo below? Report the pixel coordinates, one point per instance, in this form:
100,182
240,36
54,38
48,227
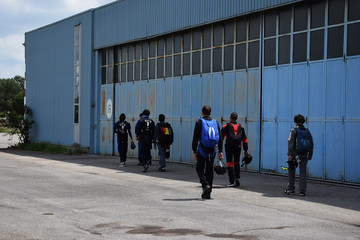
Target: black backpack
121,130
147,130
231,138
166,134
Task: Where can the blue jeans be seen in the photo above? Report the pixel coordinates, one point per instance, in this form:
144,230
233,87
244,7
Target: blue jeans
162,150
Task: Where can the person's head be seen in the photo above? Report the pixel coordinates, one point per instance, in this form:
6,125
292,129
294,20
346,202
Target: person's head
161,118
146,112
233,116
122,117
299,119
140,115
206,111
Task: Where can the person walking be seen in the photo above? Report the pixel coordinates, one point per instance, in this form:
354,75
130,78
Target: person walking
163,138
206,139
145,133
300,150
137,139
235,137
122,129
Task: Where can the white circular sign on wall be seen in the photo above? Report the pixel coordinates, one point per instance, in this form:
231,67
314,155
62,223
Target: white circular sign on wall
109,108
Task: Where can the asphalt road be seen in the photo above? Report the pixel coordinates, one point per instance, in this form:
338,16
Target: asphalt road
46,196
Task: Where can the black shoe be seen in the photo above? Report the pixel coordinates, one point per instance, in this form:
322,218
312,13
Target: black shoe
237,182
289,192
206,192
302,194
139,164
146,167
162,169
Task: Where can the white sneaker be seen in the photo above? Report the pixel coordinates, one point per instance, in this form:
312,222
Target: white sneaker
122,164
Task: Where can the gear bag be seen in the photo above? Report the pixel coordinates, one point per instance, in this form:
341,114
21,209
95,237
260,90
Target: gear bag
209,136
303,142
121,130
147,127
166,134
234,137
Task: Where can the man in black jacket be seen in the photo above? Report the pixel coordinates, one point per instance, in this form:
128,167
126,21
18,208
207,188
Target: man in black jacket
205,155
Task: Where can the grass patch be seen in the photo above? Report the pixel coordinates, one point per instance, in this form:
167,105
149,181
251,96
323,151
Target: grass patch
4,129
52,148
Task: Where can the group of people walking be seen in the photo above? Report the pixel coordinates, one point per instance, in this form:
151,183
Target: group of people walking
207,142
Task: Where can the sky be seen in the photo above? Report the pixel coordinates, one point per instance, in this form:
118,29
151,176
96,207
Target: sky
20,16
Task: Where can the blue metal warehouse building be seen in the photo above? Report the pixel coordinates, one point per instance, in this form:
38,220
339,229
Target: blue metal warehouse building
268,60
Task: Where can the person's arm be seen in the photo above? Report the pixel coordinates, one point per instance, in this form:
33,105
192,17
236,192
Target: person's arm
196,137
312,147
220,143
156,134
129,131
291,144
244,140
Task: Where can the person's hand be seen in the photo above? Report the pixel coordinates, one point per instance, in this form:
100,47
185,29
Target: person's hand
245,154
220,155
195,156
289,157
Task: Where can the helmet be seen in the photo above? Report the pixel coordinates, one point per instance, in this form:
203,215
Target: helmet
293,164
220,168
133,146
246,160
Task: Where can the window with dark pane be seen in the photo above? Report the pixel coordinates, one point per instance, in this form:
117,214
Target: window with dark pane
300,17
284,20
109,76
152,48
116,55
177,65
270,23
254,27
123,54
228,58
299,47
207,37
160,67
160,46
217,31
217,59
284,50
269,52
177,43
186,64
123,72
168,66
240,62
130,72
336,11
168,44
103,57
110,56
76,114
229,32
187,41
353,46
152,69
206,61
137,51
145,50
137,71
317,14
241,29
196,42
144,70
335,42
317,45
103,75
354,10
116,73
253,54
130,53
196,63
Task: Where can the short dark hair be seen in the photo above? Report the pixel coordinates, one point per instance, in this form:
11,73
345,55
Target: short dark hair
141,114
122,117
234,116
299,119
161,117
206,110
146,112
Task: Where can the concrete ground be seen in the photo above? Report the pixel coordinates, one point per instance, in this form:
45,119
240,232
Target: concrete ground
48,196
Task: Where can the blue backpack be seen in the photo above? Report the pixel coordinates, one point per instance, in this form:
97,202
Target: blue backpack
303,142
209,136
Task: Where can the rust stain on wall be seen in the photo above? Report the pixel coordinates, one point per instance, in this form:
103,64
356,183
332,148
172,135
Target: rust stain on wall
103,97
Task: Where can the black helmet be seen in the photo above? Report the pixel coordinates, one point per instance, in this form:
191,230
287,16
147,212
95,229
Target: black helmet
246,160
133,146
292,164
220,168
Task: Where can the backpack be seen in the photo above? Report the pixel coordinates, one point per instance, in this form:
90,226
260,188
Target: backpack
209,135
234,139
303,142
147,130
122,128
166,134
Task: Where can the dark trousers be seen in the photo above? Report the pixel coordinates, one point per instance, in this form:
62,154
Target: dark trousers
233,162
144,152
205,170
302,180
122,148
